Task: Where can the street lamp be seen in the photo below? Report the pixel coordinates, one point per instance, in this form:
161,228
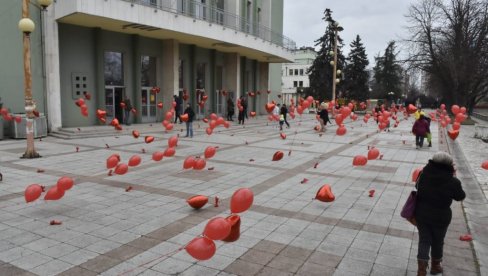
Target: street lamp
27,26
334,25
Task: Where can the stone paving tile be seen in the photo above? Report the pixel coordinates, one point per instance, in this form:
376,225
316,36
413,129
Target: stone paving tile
109,231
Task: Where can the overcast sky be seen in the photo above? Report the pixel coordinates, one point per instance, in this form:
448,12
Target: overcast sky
376,21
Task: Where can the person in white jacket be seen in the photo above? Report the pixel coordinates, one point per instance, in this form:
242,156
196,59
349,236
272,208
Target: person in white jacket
276,112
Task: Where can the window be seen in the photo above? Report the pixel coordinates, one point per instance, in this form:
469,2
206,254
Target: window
113,68
300,83
301,72
296,72
291,72
201,76
295,84
148,71
180,74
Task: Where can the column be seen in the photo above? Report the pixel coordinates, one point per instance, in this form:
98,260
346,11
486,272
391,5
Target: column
51,67
262,83
232,75
171,59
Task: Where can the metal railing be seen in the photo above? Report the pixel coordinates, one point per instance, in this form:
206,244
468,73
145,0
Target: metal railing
215,15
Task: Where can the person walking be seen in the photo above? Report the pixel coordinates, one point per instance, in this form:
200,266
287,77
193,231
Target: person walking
189,123
242,111
127,110
420,129
436,188
284,111
178,107
276,112
429,134
230,109
323,117
244,106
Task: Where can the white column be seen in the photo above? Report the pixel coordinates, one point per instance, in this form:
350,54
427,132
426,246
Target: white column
51,67
170,77
232,74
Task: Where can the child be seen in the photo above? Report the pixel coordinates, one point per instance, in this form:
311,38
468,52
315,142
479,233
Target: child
282,121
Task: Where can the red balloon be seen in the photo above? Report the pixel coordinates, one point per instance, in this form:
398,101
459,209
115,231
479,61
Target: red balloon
212,124
201,248
283,135
226,124
325,194
199,164
121,169
189,162
443,106
416,174
135,160
456,125
455,109
197,201
148,139
173,141
411,109
270,107
453,134
235,229
168,116
169,152
209,131
277,156
210,152
135,133
160,105
169,126
112,161
460,117
252,113
65,183
373,154
184,117
157,156
32,192
213,116
359,160
220,121
241,200
341,130
54,193
217,229
345,111
339,118
484,165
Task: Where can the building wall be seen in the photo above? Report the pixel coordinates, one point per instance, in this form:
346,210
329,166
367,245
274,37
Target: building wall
293,81
275,68
12,61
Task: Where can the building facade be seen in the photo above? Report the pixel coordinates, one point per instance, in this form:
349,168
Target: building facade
117,49
294,77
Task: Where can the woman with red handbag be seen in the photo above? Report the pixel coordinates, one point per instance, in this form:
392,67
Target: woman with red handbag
437,187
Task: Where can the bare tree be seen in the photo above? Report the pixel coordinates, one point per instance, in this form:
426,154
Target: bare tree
449,41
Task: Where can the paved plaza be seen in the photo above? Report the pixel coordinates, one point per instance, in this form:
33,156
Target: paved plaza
108,231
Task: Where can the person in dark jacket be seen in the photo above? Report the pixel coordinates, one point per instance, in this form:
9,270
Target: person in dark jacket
284,111
230,109
178,107
420,129
324,117
189,123
436,188
242,110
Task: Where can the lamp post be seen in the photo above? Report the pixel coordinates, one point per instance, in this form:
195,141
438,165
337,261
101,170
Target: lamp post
334,25
27,26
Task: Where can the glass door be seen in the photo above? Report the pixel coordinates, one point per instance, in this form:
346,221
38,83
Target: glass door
113,98
148,105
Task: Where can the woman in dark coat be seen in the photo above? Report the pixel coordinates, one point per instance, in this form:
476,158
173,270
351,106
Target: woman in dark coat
420,129
323,116
437,187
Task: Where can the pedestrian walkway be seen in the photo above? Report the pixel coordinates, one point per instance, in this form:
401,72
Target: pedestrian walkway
108,231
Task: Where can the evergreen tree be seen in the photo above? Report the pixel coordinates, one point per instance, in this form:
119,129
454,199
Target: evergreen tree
320,73
387,74
356,77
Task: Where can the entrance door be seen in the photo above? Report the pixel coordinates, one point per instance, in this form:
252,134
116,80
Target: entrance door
221,103
113,98
148,105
